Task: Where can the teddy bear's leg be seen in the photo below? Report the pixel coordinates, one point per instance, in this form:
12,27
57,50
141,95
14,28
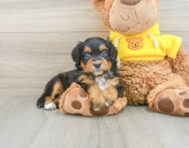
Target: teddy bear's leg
180,65
76,101
170,97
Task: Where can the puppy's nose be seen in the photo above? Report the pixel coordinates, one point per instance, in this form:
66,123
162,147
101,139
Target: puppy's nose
130,2
97,65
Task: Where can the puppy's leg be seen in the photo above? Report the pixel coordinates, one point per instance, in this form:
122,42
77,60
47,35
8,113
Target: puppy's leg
53,101
49,99
57,90
85,82
110,94
49,103
96,98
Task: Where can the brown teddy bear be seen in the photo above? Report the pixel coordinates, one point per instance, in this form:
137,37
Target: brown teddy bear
154,68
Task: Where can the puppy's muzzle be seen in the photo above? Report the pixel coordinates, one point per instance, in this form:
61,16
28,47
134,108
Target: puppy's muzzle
97,65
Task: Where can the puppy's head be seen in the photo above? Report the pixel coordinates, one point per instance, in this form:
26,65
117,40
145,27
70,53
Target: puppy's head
95,56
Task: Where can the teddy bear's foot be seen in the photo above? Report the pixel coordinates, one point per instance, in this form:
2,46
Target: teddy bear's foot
173,101
77,102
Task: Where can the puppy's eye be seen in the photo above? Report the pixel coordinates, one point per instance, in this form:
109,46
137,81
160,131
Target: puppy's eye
87,56
104,53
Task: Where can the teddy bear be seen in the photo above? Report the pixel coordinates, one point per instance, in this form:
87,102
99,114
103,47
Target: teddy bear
154,68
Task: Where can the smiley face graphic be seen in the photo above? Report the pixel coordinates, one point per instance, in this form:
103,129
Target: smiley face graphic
135,43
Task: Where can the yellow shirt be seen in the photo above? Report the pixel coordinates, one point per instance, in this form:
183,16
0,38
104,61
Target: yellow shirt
146,46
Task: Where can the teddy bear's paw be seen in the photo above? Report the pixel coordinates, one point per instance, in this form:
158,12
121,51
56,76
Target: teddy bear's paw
76,102
50,106
173,101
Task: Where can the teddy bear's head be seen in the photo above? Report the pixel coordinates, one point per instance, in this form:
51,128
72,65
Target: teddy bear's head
128,16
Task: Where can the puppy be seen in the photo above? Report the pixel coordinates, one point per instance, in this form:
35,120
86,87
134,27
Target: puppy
95,60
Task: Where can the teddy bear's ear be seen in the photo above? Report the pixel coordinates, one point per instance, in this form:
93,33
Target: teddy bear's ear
141,39
98,4
128,40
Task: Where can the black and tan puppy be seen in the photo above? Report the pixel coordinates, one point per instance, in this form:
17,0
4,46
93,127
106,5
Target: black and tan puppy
96,72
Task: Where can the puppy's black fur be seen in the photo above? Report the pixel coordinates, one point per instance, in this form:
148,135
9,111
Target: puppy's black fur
80,56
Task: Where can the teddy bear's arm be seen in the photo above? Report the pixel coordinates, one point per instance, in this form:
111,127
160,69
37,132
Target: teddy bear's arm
180,65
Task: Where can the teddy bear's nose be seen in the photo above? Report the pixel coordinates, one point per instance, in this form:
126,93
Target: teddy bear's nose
130,2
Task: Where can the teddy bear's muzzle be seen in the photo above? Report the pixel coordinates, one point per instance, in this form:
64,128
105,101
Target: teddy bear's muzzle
130,2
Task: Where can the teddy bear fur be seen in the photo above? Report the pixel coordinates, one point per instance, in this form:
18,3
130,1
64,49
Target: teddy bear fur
162,84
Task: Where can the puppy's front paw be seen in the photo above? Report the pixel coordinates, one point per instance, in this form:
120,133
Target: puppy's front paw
50,106
109,101
110,96
97,104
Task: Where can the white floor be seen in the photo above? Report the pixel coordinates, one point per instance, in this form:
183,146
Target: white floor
22,125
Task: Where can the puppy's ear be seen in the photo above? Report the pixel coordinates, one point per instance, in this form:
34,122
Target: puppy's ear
113,51
98,4
76,54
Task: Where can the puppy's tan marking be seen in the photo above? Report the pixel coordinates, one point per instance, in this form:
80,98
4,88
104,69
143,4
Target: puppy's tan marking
84,67
85,79
110,94
96,98
112,82
48,100
87,49
88,68
106,66
102,47
51,100
57,89
56,100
